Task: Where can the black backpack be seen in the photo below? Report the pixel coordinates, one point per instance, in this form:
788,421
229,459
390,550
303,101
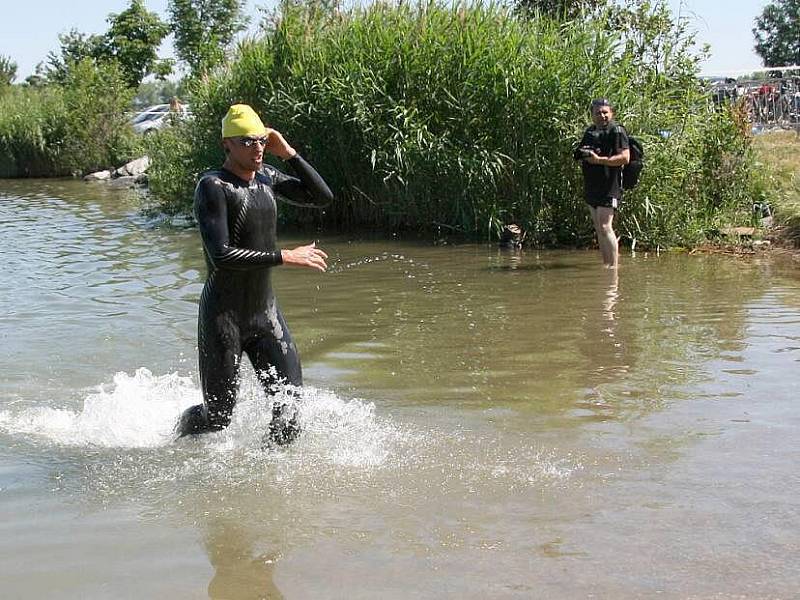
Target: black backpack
632,171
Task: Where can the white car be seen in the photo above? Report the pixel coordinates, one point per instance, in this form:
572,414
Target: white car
154,118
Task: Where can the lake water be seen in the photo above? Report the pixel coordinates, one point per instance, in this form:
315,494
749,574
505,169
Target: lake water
477,424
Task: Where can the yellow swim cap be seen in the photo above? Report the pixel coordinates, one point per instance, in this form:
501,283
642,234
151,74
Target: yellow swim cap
242,120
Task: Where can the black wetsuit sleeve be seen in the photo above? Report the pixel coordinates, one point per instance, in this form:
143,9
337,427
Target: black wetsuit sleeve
211,212
307,189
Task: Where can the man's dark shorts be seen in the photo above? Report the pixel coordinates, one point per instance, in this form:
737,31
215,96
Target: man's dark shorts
605,201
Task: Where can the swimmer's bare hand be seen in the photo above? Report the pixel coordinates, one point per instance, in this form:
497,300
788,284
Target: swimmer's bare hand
306,256
277,145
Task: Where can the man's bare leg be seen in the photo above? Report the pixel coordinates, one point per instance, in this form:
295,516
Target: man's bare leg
602,218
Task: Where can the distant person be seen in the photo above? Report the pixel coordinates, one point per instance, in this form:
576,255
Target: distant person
236,213
603,151
175,105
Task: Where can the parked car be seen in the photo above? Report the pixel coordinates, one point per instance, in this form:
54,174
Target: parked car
155,117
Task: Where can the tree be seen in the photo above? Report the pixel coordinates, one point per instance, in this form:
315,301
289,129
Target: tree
8,71
75,47
204,29
133,39
777,33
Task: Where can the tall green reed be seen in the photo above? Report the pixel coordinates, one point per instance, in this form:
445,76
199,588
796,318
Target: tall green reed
32,133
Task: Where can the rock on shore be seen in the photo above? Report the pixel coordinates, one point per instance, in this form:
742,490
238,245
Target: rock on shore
129,174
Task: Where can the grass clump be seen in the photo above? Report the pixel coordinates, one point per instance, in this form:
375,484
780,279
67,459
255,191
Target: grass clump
778,154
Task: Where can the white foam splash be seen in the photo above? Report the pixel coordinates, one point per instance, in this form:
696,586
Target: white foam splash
335,431
343,442
135,411
347,431
141,410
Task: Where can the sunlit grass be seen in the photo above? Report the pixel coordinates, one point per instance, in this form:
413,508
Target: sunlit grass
779,153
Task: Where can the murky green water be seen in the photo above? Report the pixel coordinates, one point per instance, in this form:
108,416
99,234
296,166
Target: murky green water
477,424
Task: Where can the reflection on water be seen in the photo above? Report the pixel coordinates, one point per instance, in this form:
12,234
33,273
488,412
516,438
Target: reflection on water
478,424
240,570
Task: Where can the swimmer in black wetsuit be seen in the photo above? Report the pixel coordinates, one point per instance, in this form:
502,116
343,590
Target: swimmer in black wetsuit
236,213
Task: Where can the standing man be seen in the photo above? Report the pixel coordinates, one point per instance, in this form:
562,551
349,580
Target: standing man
236,213
603,151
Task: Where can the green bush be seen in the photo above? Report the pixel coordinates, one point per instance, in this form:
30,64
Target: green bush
171,177
32,132
75,127
459,119
97,100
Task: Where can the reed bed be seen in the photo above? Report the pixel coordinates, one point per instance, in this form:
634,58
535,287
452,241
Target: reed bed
452,120
31,133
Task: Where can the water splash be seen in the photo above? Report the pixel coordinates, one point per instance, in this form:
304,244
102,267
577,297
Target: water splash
338,267
120,443
140,411
134,411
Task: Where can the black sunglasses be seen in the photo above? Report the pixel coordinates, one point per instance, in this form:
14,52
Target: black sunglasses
249,142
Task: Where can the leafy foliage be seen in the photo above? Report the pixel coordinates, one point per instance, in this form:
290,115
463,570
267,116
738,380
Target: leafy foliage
133,39
32,132
204,29
777,33
8,71
131,42
174,178
425,118
96,100
560,9
72,117
75,47
64,129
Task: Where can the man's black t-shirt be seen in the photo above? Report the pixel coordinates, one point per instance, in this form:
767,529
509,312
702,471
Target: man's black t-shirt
602,182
